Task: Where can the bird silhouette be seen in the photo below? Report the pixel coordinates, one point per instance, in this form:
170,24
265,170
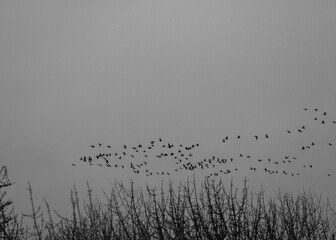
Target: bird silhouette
183,155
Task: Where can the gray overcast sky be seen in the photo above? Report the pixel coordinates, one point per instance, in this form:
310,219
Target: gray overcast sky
74,73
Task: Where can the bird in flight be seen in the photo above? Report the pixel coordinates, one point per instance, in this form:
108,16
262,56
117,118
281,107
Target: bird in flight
184,158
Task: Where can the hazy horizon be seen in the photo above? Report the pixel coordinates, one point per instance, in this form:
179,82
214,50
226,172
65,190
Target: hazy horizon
79,73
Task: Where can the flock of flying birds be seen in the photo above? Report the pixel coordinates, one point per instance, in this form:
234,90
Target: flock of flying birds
145,158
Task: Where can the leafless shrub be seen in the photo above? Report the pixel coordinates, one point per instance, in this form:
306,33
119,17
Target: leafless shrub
187,211
11,227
